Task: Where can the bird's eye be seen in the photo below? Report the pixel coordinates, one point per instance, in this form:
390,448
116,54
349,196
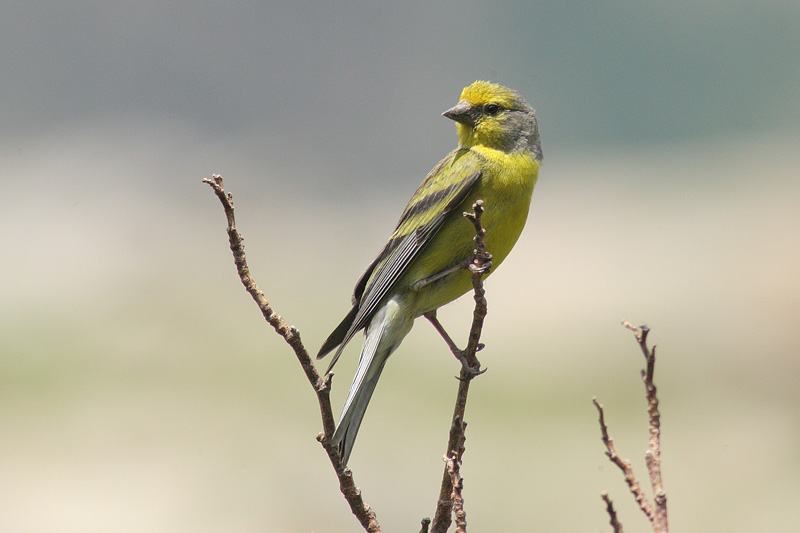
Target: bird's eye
492,109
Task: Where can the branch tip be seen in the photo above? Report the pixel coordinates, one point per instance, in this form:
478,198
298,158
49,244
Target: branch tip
426,522
612,513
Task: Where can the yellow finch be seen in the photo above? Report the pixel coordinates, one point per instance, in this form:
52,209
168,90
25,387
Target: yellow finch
418,270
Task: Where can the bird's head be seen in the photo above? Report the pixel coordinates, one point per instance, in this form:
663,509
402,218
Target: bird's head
497,117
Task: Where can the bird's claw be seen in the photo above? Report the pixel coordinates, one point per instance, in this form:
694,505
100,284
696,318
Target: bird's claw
482,263
469,370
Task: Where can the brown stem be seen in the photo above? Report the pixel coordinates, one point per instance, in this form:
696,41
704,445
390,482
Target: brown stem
624,465
455,445
362,511
653,454
612,513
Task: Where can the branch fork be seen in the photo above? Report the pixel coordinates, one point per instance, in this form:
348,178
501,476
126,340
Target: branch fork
656,512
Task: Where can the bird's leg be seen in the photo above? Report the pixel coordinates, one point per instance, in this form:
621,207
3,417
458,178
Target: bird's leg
421,284
431,316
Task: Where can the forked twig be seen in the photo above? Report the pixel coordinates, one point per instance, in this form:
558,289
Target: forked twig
656,512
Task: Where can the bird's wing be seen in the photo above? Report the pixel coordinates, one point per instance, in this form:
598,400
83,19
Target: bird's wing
440,193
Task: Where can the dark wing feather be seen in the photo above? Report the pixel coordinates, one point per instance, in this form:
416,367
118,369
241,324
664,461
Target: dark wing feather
337,337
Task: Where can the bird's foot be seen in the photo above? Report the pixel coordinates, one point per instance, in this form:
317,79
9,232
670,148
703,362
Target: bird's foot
469,371
481,262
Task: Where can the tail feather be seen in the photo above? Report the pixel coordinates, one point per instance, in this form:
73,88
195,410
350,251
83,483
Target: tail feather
384,333
346,431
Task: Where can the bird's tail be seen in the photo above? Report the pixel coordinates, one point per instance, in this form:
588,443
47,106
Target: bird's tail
383,334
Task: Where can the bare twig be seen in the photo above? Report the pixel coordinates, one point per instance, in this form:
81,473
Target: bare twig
657,512
612,513
481,265
362,511
624,465
653,454
454,468
455,446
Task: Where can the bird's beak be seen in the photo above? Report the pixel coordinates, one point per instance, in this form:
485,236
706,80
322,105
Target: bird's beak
461,112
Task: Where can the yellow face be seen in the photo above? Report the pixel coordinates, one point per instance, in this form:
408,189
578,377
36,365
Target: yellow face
494,116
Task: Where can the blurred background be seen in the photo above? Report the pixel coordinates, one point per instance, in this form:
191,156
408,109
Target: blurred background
140,389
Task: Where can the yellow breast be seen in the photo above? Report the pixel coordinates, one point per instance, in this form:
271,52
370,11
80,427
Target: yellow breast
506,186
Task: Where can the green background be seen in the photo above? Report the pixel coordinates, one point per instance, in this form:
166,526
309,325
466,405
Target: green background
140,389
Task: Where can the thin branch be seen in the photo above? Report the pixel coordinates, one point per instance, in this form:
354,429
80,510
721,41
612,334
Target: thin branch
653,454
454,468
481,264
321,384
624,465
612,513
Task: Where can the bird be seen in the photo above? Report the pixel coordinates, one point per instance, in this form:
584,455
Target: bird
421,267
